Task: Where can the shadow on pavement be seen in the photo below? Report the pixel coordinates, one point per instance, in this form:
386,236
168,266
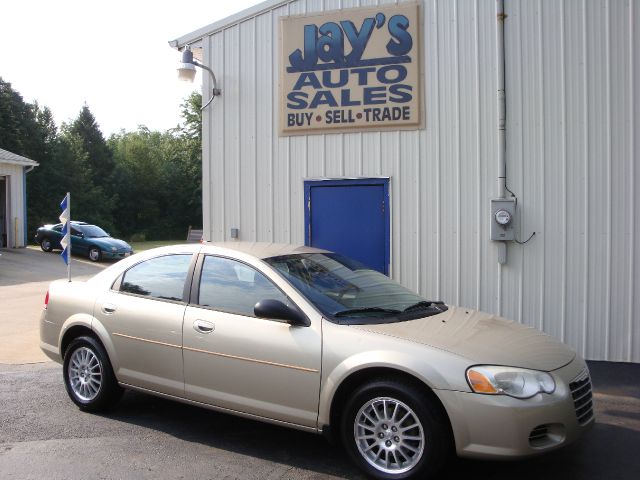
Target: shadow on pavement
28,265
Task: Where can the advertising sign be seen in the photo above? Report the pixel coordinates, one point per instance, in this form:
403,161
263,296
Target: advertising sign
352,69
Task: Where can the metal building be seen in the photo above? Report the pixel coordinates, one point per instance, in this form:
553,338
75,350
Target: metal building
13,198
571,72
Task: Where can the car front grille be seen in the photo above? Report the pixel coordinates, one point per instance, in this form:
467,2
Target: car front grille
582,397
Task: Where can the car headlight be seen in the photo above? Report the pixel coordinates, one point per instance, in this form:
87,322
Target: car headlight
515,382
114,249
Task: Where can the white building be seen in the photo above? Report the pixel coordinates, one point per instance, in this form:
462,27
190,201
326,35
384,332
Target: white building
13,198
420,206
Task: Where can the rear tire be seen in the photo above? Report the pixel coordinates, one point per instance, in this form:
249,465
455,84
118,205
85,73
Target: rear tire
393,430
88,375
95,254
46,245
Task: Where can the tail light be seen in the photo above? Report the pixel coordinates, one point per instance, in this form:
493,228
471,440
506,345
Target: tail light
46,300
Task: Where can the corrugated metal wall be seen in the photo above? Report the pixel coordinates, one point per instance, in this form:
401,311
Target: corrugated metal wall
573,115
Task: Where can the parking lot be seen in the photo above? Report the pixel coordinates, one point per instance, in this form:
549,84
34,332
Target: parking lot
43,435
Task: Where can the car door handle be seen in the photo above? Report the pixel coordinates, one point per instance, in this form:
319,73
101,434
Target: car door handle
201,326
108,308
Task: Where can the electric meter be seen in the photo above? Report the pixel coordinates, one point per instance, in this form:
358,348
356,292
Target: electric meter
503,217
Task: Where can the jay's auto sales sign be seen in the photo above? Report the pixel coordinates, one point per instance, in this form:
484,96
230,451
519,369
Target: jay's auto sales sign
354,69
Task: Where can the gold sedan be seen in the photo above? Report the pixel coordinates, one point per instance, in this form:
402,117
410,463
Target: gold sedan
312,340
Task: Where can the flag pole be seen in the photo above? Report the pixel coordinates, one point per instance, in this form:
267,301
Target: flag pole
65,242
69,233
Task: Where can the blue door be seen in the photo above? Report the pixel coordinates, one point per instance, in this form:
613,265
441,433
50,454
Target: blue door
350,217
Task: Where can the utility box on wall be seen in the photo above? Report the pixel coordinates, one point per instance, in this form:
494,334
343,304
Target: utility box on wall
503,211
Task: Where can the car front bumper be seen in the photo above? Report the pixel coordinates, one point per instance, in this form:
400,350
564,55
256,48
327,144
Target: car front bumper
499,426
116,255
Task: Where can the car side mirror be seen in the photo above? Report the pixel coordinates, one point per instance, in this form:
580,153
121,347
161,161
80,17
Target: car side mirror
275,309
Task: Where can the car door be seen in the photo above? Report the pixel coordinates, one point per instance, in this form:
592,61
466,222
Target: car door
237,361
55,235
143,314
78,243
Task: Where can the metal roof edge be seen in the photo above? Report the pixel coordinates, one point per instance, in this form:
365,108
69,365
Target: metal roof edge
13,158
236,18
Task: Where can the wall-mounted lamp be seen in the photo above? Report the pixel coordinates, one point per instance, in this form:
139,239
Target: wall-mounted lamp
187,72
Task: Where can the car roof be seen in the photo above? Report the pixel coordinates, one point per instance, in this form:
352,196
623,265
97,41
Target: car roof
264,249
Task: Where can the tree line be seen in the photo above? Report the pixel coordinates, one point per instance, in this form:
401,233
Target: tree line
140,184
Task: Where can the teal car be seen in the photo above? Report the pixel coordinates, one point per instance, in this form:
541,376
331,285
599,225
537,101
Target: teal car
86,239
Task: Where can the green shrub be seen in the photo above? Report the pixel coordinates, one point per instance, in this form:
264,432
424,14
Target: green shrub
138,237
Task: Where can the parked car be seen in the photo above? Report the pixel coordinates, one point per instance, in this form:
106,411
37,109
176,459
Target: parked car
311,340
86,239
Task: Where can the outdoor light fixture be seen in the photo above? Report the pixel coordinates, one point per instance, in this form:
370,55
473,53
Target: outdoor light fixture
187,72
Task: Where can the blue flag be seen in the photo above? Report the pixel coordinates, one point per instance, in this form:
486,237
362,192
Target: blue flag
65,218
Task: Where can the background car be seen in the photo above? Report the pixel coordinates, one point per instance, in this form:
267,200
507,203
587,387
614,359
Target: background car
86,239
309,339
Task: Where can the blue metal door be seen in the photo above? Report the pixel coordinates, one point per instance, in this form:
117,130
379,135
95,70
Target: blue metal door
350,217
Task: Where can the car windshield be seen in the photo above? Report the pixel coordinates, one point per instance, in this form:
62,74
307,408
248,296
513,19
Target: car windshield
91,231
342,288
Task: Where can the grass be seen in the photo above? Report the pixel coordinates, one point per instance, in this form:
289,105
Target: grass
142,246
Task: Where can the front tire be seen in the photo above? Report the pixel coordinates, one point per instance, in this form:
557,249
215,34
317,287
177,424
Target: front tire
95,254
46,245
88,376
393,430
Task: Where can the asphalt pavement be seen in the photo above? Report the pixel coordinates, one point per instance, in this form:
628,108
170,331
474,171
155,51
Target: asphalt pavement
43,434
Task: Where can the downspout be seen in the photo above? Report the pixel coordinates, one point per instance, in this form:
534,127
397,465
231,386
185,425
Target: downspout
502,117
25,170
502,109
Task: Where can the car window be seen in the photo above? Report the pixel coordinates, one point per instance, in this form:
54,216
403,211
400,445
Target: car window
75,231
339,286
57,228
91,231
234,287
160,277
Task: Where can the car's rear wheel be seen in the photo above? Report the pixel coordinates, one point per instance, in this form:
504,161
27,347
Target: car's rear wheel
95,255
46,245
88,375
395,431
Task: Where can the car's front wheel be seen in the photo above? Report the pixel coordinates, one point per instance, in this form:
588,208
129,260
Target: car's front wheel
95,255
394,430
88,375
46,245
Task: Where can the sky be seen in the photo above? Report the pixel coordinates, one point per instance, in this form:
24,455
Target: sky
112,55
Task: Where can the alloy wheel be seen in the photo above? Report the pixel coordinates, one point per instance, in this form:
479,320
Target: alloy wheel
389,435
94,254
85,374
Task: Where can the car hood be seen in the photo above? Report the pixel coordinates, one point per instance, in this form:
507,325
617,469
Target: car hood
482,338
110,242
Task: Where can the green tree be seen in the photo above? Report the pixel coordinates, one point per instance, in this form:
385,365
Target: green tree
86,129
40,207
89,202
138,160
160,173
136,182
191,110
15,116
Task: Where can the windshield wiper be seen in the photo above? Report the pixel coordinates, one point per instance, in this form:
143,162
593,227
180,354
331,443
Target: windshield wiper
424,304
355,311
